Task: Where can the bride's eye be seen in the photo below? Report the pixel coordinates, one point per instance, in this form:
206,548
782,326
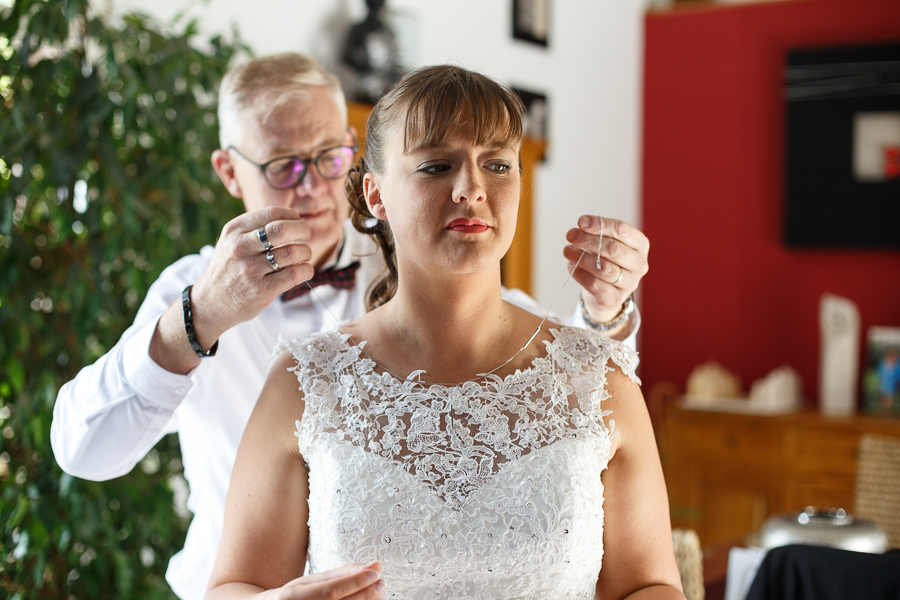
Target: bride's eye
434,168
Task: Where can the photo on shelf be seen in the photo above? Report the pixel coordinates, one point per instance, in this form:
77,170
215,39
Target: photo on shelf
881,377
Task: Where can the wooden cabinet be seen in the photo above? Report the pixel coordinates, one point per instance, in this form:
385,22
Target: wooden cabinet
726,473
516,265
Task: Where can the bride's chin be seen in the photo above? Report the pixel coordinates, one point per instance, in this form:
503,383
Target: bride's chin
474,268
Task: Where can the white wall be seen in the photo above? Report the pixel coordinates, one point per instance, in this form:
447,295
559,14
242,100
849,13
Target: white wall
591,73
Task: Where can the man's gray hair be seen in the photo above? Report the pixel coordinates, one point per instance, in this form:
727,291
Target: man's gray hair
256,88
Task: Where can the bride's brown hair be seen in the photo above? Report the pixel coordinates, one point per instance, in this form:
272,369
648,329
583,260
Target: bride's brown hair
433,101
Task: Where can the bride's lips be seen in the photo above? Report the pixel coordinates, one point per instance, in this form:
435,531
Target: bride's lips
468,225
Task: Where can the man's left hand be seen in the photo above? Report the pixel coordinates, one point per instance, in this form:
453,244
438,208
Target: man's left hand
623,262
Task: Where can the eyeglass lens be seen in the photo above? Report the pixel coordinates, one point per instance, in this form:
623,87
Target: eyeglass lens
334,163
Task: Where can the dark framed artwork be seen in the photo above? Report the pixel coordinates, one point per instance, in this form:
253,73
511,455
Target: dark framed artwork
842,175
531,21
535,122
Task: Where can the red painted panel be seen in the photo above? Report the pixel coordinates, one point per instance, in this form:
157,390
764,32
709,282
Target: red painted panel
722,285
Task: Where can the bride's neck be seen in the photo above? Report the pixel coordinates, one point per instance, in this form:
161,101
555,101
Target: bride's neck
459,312
454,330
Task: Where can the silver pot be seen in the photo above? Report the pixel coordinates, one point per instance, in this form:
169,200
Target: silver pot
834,528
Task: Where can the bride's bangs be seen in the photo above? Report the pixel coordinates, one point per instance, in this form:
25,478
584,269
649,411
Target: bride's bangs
448,97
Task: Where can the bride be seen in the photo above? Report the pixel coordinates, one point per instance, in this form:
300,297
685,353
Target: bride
451,445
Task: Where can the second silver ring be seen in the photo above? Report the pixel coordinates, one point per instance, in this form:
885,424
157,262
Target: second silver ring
271,258
621,274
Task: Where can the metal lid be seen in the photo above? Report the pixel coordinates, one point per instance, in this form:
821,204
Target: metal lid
831,527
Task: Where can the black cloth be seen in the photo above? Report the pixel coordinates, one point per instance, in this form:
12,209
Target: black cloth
818,573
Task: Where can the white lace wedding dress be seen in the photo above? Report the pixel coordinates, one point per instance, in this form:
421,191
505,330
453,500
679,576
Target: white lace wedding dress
479,490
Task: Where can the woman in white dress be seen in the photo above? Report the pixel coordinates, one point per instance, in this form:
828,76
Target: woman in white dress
451,445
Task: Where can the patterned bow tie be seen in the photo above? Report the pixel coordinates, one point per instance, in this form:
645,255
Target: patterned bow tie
342,279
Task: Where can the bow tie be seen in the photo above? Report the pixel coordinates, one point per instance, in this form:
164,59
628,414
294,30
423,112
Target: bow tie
342,279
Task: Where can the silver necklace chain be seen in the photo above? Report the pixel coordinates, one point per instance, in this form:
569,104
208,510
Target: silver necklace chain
479,375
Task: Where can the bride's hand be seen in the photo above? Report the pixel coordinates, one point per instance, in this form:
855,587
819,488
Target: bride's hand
351,582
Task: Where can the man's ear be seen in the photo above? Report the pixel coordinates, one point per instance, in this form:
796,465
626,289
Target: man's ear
221,162
373,197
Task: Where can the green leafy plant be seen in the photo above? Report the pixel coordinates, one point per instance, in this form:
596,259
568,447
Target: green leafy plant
106,128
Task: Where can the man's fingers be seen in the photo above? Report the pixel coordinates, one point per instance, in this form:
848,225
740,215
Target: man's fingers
285,278
283,268
609,272
612,249
253,220
607,296
277,234
285,256
615,229
283,232
616,261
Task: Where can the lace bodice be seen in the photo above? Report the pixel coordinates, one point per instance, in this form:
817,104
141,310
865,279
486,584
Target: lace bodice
487,489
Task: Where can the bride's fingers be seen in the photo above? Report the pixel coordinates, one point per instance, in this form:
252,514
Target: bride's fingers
365,584
351,569
376,592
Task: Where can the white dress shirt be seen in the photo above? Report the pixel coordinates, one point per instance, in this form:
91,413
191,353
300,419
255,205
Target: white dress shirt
114,411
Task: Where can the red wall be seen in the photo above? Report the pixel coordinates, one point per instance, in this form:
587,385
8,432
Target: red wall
722,285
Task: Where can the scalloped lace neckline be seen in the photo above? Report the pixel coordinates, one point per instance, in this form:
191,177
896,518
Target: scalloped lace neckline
414,377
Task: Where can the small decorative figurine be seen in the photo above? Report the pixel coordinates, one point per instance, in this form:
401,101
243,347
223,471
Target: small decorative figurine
371,52
779,391
712,380
839,321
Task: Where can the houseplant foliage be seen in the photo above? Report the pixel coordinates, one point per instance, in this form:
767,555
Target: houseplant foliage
105,137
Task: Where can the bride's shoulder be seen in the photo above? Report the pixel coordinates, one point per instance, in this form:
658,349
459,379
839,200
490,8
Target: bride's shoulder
311,347
587,349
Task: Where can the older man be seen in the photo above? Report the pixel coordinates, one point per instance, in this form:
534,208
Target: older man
194,361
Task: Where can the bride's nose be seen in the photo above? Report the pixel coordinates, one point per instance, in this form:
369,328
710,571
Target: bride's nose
469,187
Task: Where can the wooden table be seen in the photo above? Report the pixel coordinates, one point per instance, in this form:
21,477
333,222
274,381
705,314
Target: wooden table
726,473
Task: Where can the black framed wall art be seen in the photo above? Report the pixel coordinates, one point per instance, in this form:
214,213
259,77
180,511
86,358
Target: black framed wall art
531,21
842,176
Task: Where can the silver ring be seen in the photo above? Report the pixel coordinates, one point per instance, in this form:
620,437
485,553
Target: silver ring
271,259
261,232
621,273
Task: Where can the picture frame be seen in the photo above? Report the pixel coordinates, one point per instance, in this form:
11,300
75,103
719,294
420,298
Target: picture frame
536,111
842,142
881,374
531,21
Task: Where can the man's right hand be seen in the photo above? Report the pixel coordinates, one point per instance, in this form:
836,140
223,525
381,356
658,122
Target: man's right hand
238,283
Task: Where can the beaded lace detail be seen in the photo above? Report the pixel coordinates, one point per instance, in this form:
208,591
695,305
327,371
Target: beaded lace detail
487,489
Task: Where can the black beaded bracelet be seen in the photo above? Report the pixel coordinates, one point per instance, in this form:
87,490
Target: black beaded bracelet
189,326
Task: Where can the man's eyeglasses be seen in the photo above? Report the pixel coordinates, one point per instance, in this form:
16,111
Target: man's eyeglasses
285,172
